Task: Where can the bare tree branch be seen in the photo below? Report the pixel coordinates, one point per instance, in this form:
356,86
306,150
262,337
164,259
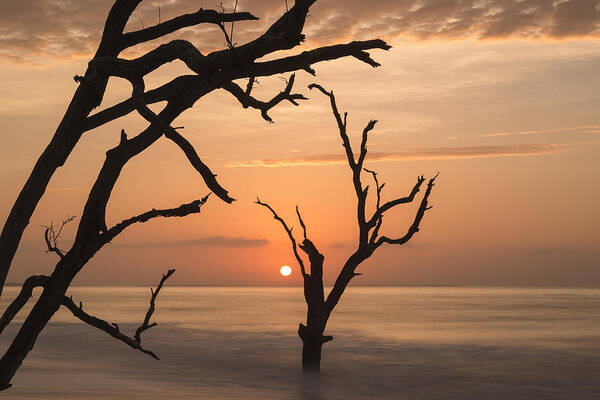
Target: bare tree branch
201,16
181,211
52,236
414,228
301,222
363,143
374,174
341,123
208,176
246,100
393,203
21,299
290,235
198,63
170,90
146,324
303,60
113,329
380,218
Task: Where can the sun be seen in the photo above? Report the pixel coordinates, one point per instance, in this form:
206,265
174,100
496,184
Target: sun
285,270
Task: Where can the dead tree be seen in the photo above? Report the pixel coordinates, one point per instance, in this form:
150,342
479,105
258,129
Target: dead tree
216,70
319,308
92,234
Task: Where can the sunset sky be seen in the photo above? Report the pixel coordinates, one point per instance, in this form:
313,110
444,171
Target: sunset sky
501,97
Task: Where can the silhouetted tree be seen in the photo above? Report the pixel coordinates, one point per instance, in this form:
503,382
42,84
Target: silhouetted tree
319,308
92,234
216,70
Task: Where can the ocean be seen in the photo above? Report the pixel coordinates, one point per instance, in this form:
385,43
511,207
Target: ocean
391,342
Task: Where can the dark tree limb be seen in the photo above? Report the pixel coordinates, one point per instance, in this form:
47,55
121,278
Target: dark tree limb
246,100
146,324
363,143
201,16
301,221
414,228
290,235
52,236
187,53
181,211
302,61
379,188
341,123
113,329
169,90
25,294
208,176
393,203
197,62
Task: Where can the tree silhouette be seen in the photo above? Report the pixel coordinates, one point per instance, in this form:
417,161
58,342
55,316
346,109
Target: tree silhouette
216,70
319,308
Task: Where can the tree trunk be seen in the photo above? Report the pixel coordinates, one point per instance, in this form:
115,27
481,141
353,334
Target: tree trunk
312,342
49,302
311,355
54,156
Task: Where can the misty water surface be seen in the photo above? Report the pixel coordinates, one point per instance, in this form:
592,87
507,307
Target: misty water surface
390,343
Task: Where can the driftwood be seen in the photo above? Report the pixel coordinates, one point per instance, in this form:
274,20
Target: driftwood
319,307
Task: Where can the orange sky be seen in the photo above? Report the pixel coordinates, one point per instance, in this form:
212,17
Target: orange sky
499,96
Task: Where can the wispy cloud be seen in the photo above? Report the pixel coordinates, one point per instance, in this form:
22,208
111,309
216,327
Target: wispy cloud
31,29
415,154
572,129
214,241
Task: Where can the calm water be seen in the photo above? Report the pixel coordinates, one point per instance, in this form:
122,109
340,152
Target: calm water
390,343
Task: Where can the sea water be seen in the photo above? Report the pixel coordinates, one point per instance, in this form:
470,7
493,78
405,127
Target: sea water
391,342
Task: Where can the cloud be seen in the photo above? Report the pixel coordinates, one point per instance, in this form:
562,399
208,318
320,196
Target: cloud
341,245
572,129
213,241
65,29
436,153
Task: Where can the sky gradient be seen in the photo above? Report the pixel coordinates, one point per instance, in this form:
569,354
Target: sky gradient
501,97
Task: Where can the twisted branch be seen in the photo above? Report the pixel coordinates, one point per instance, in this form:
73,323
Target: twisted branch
246,100
393,203
113,329
414,228
52,236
